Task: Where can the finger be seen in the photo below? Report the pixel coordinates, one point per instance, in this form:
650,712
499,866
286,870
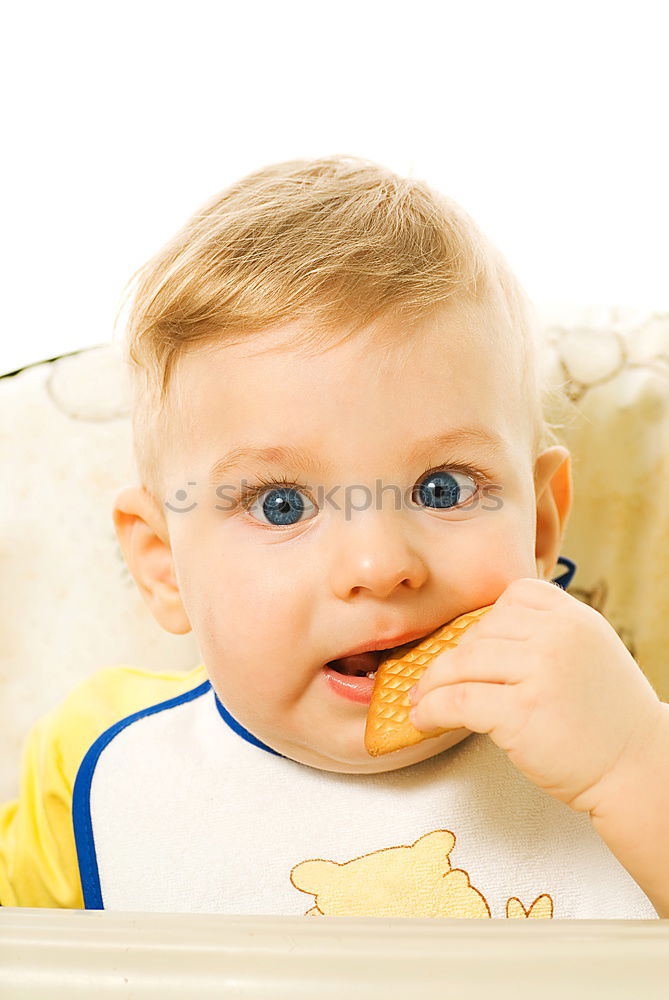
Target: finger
493,661
510,621
478,707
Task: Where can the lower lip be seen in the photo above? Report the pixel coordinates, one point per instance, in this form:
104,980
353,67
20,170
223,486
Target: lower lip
354,688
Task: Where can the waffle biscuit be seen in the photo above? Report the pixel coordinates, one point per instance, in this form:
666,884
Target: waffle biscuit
388,727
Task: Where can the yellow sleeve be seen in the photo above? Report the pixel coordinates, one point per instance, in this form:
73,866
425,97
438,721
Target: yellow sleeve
38,858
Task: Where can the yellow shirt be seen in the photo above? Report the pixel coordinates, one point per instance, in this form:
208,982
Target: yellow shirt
38,858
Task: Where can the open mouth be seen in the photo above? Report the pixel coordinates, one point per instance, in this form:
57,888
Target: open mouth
353,677
366,664
360,665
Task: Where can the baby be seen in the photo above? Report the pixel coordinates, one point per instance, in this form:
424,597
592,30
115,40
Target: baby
339,432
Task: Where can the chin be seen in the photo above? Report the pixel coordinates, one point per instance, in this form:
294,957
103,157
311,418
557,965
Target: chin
360,762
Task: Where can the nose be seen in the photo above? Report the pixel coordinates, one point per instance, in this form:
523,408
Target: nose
373,552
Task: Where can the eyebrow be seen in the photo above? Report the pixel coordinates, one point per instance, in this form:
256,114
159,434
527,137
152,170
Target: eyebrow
297,458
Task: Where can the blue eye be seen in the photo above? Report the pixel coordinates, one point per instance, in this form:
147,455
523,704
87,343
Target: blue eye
283,506
441,491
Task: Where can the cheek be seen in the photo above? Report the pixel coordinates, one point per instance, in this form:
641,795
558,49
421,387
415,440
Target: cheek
500,550
511,550
252,625
230,584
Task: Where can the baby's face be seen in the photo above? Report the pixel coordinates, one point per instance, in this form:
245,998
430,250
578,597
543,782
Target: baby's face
382,531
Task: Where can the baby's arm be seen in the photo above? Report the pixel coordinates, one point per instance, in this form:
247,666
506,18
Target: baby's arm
632,815
552,683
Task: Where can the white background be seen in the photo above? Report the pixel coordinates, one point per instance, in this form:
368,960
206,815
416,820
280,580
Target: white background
546,121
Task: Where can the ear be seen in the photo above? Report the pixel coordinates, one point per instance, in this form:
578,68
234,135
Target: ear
142,532
554,495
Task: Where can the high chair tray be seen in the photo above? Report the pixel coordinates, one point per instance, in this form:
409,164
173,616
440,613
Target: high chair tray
50,954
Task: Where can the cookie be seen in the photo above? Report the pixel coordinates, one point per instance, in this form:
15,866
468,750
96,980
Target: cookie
388,727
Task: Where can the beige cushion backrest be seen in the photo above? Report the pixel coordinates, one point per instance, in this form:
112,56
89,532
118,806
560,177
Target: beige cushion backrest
613,367
70,605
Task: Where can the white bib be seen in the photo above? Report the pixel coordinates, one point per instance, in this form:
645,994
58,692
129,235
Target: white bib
178,808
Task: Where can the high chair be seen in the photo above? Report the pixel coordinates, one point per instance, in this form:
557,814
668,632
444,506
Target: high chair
71,607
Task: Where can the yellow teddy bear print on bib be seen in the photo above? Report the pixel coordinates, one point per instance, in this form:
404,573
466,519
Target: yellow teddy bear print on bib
405,881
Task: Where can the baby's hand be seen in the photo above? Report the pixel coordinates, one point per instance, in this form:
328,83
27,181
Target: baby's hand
551,682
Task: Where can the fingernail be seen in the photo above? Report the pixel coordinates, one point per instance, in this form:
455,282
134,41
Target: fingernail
412,716
412,694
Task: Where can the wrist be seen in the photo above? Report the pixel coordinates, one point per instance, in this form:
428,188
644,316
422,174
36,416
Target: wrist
638,769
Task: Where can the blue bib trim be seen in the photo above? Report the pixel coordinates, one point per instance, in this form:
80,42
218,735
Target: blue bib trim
565,578
81,797
239,729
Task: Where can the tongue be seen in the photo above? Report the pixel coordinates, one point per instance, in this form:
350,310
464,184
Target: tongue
359,664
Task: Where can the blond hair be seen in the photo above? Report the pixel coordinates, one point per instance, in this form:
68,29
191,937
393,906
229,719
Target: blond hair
338,242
